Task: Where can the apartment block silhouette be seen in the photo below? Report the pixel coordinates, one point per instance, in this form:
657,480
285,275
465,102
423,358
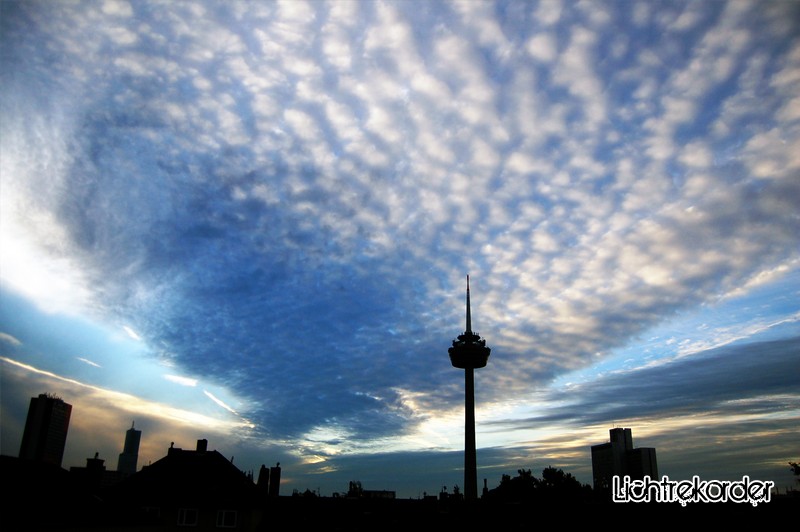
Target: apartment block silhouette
46,426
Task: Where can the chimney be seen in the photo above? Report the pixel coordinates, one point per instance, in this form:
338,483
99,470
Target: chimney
263,478
202,445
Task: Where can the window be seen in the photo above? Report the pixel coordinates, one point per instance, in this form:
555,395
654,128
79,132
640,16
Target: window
226,519
187,517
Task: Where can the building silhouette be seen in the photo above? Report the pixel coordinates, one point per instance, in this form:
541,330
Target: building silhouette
618,457
197,488
269,480
275,480
94,478
46,428
469,352
126,465
42,496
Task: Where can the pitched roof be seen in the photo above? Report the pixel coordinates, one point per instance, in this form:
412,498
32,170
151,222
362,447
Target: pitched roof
183,476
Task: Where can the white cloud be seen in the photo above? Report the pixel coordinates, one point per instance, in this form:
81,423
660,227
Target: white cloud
294,12
131,333
219,402
697,155
770,156
5,337
549,12
183,381
542,46
575,71
688,18
117,8
337,48
133,404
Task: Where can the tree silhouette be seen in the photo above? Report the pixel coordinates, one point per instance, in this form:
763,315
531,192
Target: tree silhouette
555,485
519,488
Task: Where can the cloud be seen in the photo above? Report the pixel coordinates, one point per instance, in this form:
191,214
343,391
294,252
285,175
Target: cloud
742,378
131,333
183,381
542,47
219,402
128,402
9,339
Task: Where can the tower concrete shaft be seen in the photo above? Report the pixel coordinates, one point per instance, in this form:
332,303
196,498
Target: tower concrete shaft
468,352
470,452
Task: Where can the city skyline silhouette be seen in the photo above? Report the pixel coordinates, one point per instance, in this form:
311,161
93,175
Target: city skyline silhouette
202,488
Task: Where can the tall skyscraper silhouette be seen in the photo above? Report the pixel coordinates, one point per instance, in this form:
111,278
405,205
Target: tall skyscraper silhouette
469,352
130,452
618,457
46,430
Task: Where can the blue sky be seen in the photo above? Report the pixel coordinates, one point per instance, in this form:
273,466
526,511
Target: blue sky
251,222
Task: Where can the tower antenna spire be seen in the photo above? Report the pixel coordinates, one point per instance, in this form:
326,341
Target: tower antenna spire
469,315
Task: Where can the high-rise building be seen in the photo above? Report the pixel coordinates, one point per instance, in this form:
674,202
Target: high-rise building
618,457
130,452
468,352
46,430
275,480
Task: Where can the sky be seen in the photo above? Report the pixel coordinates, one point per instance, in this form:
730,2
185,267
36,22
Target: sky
252,222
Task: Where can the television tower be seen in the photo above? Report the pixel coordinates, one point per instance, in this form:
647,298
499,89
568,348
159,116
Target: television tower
469,351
